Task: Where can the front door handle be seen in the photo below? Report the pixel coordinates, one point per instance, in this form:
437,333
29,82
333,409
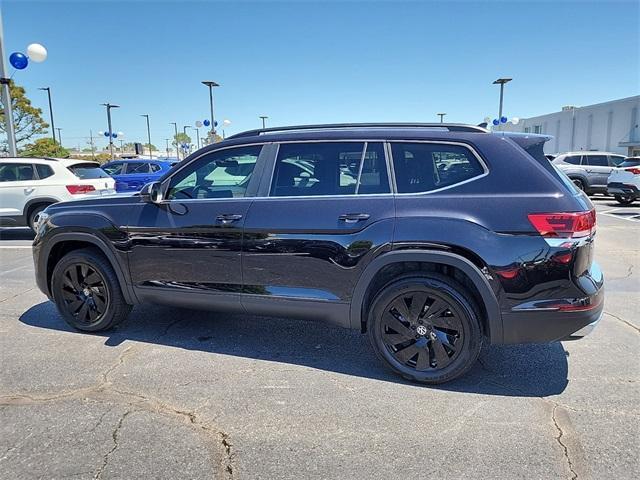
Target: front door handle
227,218
353,217
28,190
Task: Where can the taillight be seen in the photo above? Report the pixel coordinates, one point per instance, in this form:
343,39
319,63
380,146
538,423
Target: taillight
564,225
79,189
634,170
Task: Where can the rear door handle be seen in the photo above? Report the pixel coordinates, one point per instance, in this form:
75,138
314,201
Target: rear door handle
353,217
227,218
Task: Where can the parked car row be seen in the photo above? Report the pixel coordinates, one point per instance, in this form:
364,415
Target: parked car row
29,185
602,172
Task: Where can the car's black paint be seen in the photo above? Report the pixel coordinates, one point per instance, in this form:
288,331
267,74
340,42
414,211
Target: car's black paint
294,256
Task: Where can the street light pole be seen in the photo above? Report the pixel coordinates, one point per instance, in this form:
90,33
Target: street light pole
59,137
53,127
6,99
109,107
211,84
501,82
148,132
198,137
175,127
441,117
167,140
263,118
184,130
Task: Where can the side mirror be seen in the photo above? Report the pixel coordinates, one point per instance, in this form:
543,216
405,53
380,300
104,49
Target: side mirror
154,190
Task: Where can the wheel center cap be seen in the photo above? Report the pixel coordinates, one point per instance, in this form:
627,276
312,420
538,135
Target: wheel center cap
86,292
421,330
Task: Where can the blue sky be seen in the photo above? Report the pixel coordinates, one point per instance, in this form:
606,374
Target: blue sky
314,62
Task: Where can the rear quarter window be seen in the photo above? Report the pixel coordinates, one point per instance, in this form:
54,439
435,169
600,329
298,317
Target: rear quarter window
424,167
44,171
87,171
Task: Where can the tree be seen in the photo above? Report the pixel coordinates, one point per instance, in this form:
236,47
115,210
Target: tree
153,147
27,119
44,147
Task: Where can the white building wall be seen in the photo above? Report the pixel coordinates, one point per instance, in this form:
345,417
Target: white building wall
609,126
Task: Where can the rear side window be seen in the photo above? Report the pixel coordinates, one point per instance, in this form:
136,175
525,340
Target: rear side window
572,159
616,159
44,171
114,168
155,167
597,160
422,167
87,170
133,168
16,172
330,168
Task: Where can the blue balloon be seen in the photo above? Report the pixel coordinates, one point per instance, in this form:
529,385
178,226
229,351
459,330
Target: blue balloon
106,134
206,123
115,135
503,119
215,123
18,60
495,121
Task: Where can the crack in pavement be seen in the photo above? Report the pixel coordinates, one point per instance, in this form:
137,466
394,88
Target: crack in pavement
218,442
565,449
622,320
114,436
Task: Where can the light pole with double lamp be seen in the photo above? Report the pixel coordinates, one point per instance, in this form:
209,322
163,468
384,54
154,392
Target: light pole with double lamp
148,132
175,128
109,107
501,82
263,118
53,126
211,84
441,115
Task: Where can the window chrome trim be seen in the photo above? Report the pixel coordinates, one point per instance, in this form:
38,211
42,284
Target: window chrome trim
483,164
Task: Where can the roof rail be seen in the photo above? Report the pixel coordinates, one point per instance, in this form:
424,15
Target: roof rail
452,127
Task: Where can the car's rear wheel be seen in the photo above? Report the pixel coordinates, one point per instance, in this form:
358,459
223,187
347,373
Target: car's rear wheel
624,199
86,291
425,328
578,183
33,216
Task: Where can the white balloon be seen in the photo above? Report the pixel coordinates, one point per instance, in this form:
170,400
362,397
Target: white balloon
226,123
120,134
37,52
101,132
198,123
515,120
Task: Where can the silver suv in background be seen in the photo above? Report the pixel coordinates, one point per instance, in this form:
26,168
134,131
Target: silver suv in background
589,171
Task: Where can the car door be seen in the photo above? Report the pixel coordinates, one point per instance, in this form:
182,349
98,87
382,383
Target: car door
115,171
137,175
598,169
189,245
324,213
17,186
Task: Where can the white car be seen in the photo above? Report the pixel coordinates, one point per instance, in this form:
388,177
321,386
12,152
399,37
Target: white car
624,181
29,185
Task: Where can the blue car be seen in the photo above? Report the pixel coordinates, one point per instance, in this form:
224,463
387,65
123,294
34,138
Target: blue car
133,174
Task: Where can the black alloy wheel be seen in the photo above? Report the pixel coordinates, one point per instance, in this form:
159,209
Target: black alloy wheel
578,183
624,199
85,293
425,328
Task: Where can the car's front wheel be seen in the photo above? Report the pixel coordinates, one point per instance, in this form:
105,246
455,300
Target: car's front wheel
624,199
86,291
425,328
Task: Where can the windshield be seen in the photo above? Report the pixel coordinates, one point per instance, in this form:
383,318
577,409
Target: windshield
87,171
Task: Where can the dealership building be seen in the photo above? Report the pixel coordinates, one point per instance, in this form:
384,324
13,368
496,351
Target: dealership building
610,127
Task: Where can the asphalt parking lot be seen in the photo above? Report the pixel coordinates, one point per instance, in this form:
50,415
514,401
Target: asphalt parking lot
185,394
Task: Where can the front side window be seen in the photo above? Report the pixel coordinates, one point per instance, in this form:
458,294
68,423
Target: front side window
597,160
330,168
422,167
222,174
16,172
137,168
114,168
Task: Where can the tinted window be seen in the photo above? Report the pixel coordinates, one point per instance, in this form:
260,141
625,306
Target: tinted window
597,160
113,169
44,171
16,172
421,167
87,170
134,168
572,159
630,162
155,167
330,168
616,159
222,174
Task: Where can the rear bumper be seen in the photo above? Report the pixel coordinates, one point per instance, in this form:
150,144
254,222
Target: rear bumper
617,188
558,319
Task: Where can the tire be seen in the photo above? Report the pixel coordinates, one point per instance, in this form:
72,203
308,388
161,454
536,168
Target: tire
578,183
86,291
446,344
33,214
624,199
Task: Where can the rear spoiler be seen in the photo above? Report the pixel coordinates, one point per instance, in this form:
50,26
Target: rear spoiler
532,143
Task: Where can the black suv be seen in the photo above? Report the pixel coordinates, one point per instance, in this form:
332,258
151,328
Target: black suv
431,238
